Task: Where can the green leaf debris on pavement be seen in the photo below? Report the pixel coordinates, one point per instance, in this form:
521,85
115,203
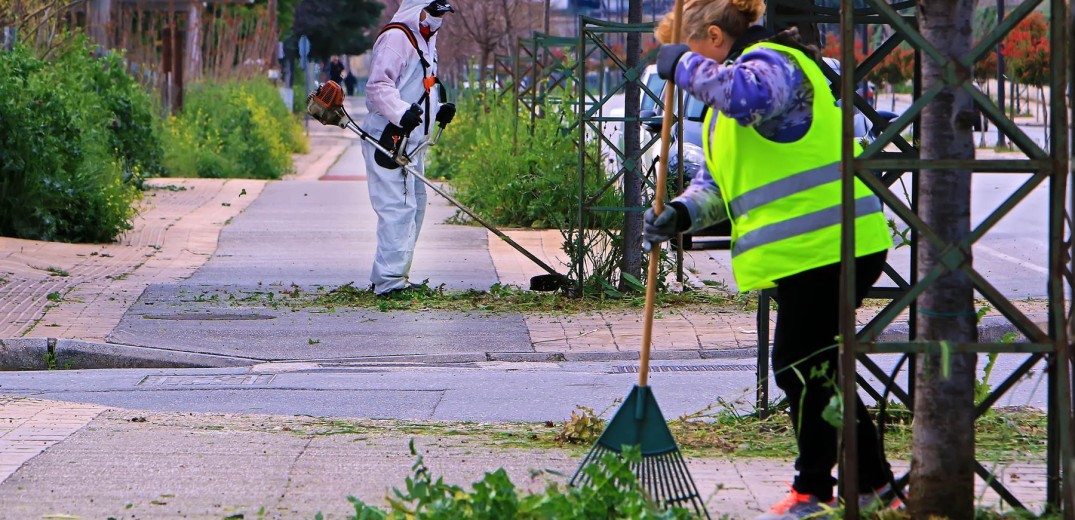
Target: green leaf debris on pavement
1003,435
498,298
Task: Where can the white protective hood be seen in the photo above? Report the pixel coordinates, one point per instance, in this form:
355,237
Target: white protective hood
409,12
396,75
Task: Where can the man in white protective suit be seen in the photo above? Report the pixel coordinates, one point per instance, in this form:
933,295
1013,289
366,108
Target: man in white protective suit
404,98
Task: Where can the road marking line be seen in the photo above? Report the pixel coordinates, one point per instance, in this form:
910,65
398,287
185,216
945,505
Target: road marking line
997,254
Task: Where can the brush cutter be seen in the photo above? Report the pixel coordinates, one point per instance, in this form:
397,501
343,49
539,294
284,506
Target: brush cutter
326,106
662,472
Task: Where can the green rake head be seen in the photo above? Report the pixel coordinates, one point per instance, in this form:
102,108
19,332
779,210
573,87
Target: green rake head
639,422
662,472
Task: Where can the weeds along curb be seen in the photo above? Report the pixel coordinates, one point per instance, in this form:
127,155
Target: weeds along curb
65,354
991,329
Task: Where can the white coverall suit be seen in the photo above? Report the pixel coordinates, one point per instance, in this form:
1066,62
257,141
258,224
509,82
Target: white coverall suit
395,82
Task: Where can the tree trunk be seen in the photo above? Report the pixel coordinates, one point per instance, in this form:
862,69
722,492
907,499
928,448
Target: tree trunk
194,43
632,179
100,21
481,70
942,467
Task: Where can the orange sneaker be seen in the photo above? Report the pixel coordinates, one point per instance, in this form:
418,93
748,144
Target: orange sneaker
881,498
799,505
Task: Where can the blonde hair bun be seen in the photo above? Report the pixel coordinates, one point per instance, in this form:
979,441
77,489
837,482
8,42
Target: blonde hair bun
734,16
751,9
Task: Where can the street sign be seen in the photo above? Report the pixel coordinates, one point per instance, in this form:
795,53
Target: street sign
304,50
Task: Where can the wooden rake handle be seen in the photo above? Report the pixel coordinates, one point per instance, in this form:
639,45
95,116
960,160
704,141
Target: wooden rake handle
658,208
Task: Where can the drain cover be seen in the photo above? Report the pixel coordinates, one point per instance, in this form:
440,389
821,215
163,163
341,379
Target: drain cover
208,317
224,380
633,369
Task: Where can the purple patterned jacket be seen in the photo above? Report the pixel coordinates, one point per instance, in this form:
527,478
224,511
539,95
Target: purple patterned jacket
762,88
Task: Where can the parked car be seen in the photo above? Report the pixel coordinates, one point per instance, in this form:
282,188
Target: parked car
864,128
693,158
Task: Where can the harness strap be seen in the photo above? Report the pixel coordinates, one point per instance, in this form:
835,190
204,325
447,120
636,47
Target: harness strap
414,42
428,80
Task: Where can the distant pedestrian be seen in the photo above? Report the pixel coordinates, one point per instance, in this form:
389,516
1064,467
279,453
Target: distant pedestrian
335,70
349,82
773,143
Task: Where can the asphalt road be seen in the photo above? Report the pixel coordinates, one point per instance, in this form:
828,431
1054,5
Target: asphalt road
477,391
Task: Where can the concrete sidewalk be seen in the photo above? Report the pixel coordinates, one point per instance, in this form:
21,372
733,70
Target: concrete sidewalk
85,442
131,464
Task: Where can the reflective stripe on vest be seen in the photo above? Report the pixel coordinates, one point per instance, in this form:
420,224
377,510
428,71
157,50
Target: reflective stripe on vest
787,186
802,225
784,199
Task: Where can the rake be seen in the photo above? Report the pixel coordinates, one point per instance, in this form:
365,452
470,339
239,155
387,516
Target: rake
662,472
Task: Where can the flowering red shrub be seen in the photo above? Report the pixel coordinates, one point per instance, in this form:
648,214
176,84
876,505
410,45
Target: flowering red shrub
1026,51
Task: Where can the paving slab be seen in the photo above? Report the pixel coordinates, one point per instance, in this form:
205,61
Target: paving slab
80,291
30,426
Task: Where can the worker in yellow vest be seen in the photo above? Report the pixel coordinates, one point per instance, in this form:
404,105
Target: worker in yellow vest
772,141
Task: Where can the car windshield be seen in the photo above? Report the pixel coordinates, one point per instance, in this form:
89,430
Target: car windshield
655,84
695,109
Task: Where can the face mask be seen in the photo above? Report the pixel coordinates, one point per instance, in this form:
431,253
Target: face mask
433,23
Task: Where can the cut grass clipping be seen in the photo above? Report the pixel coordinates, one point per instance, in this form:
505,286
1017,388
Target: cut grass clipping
1003,435
499,298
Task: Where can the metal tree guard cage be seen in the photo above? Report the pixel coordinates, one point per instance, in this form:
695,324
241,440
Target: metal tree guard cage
1048,344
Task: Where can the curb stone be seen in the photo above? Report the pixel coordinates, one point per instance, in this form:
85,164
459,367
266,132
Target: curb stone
40,353
992,329
66,354
24,354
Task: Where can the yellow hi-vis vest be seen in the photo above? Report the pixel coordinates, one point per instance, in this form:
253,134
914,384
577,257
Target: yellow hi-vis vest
784,198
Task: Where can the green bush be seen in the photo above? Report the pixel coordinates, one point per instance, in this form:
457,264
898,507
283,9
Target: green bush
76,138
510,176
232,130
614,493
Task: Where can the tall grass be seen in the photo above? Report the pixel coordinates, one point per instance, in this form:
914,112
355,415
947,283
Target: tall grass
76,138
234,129
509,175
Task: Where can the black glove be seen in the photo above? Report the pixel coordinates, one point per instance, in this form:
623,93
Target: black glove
662,228
390,138
411,119
668,57
445,114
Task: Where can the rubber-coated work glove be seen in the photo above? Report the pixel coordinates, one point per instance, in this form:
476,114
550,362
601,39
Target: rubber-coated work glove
668,57
411,119
657,229
445,114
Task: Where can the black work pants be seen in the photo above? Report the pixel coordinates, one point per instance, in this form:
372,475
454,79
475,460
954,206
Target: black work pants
807,324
